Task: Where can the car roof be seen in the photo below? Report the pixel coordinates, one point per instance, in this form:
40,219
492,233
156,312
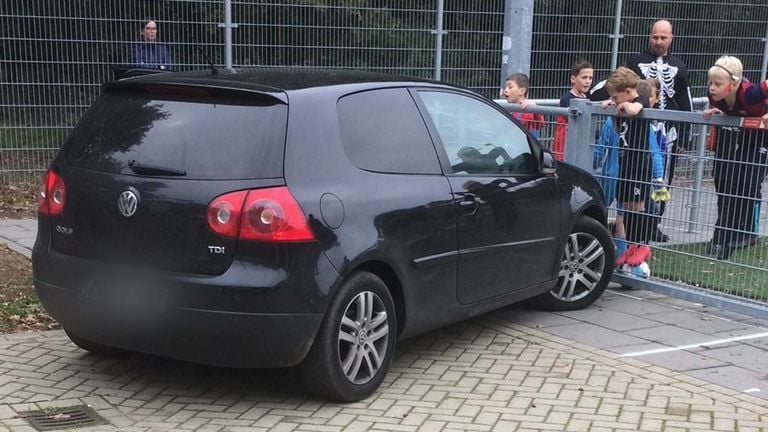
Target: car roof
272,80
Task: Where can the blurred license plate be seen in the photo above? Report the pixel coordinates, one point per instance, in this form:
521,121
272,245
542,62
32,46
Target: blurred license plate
125,293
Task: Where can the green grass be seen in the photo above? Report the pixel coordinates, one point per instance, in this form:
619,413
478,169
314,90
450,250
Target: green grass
33,138
744,274
14,313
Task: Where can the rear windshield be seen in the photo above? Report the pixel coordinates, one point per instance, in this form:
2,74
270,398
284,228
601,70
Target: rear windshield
199,138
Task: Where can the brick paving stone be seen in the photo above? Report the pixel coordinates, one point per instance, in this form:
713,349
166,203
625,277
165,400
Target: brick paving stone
6,412
481,375
357,426
195,423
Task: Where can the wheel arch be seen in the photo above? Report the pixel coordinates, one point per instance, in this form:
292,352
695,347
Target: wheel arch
386,273
595,212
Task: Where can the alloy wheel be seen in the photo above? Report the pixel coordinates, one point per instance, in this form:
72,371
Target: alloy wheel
582,267
363,337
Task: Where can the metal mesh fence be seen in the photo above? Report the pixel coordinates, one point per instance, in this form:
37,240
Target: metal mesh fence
57,54
704,30
710,232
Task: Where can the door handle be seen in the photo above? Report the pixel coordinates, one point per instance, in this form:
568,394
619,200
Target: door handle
470,203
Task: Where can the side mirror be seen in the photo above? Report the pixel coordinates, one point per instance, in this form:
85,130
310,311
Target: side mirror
548,163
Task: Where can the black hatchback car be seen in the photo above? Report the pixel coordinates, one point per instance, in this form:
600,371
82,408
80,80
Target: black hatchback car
274,218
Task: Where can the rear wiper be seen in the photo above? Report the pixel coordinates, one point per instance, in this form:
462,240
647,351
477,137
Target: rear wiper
146,169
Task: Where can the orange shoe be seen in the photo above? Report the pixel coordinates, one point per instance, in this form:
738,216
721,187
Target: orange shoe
641,253
620,261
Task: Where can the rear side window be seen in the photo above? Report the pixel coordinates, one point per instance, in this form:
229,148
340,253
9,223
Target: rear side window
203,138
383,131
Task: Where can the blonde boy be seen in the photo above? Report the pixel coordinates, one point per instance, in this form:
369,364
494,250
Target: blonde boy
633,187
741,156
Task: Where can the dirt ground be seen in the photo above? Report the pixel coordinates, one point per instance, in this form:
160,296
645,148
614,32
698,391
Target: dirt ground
18,201
20,309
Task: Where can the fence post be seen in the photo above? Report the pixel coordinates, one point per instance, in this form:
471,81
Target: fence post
764,67
616,36
580,134
517,40
439,32
701,144
227,26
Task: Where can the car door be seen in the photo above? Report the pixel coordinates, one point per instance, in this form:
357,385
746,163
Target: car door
508,212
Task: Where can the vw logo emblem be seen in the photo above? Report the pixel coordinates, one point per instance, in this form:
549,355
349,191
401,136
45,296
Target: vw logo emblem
128,202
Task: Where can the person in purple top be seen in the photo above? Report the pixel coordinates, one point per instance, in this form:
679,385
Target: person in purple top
149,53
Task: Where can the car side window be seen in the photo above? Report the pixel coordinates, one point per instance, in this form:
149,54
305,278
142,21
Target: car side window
478,138
383,131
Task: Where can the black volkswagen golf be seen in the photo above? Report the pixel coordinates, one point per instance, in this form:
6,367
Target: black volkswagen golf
279,217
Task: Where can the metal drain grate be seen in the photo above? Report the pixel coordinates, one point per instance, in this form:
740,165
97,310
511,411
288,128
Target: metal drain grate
63,418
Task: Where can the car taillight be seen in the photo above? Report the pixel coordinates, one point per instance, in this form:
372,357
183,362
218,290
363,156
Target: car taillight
224,213
270,214
52,195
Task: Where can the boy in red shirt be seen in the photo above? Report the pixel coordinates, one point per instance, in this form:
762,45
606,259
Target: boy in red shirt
516,91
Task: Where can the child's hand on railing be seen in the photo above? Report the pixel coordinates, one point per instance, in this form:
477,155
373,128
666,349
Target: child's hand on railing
707,113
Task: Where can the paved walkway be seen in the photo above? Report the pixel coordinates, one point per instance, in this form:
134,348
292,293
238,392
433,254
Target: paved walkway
634,361
19,235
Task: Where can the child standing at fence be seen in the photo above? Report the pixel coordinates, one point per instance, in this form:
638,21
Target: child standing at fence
741,156
582,74
633,186
651,87
516,91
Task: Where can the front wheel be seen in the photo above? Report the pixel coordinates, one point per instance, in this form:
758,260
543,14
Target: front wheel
585,270
353,348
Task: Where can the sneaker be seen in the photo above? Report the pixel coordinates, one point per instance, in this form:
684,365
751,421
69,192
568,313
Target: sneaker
622,259
640,254
719,251
713,247
641,270
659,236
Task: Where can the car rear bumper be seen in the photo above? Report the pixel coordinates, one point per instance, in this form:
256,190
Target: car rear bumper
216,338
250,316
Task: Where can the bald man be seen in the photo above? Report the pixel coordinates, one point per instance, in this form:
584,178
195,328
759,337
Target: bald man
657,62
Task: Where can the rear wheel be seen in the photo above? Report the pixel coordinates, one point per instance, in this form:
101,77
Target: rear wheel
93,347
585,270
353,348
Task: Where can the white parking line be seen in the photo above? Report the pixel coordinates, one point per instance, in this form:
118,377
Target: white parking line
625,295
702,344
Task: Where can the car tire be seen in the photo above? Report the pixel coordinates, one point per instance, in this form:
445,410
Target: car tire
354,345
93,347
585,270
